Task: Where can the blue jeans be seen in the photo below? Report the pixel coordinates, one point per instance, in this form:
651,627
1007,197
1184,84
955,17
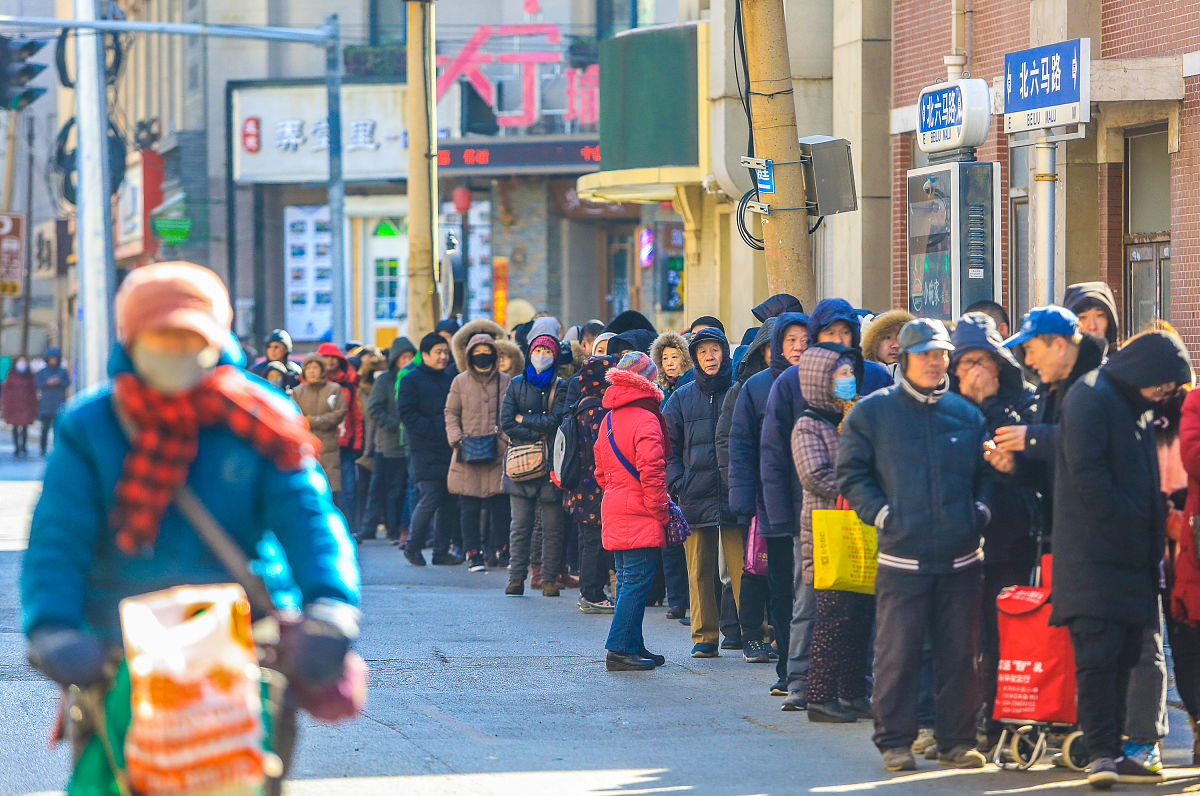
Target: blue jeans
349,493
635,577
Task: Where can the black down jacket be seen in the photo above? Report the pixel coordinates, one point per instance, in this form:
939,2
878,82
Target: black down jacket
1109,514
694,477
421,405
1010,537
921,457
541,414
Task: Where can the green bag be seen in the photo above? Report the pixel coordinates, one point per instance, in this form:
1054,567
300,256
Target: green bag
93,774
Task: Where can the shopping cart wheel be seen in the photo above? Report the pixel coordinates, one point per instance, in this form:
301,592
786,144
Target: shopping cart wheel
1074,751
1027,746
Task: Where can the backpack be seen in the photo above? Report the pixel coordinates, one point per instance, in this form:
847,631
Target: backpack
571,445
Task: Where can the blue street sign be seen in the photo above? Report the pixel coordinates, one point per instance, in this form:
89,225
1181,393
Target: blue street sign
765,177
941,109
1047,86
954,115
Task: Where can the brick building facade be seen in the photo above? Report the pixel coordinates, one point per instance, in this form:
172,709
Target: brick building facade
1127,201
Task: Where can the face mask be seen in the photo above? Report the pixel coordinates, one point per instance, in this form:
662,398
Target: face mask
845,388
482,361
172,373
541,362
21,367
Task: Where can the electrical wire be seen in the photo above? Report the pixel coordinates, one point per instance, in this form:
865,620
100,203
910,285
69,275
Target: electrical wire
750,240
739,37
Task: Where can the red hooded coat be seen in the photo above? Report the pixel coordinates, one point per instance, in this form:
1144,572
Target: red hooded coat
350,432
633,513
1185,589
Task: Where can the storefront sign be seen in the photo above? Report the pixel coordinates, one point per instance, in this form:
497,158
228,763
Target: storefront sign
524,155
12,253
52,243
500,290
569,205
140,192
308,272
527,47
284,134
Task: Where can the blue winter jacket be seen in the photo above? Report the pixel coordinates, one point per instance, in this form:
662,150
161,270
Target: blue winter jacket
74,575
781,490
745,484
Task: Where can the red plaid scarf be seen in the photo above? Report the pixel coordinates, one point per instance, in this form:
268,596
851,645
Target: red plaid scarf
164,444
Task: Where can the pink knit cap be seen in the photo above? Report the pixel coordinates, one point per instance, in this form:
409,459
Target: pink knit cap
173,295
639,363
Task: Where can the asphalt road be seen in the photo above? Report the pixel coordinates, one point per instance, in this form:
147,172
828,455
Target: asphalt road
473,692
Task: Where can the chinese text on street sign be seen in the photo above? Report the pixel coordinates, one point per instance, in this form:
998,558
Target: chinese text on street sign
12,253
1047,86
953,115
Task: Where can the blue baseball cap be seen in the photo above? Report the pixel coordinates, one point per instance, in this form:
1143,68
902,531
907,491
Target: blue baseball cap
1045,320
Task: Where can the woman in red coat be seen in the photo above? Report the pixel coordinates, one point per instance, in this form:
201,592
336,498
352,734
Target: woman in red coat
19,403
631,453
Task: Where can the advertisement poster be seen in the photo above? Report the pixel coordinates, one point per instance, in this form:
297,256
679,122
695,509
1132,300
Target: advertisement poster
308,276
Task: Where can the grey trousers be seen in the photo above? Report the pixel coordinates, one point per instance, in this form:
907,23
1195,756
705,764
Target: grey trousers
524,510
1146,702
804,612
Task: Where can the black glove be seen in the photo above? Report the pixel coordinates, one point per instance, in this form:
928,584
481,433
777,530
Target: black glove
67,655
323,639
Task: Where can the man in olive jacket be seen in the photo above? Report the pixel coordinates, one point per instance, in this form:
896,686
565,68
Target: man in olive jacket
911,464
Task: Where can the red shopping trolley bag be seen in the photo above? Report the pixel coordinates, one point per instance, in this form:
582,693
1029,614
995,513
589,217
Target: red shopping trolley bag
1036,677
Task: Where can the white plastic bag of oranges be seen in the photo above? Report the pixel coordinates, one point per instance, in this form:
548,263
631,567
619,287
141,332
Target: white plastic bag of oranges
196,724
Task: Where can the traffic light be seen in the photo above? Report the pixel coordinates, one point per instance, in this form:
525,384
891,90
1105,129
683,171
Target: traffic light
16,71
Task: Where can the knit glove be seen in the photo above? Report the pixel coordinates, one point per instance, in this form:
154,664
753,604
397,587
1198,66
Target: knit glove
67,655
322,640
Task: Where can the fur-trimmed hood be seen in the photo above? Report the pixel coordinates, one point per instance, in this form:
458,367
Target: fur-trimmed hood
882,325
673,340
627,387
513,351
458,343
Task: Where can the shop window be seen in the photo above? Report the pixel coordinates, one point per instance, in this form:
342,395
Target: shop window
1147,239
1020,300
389,287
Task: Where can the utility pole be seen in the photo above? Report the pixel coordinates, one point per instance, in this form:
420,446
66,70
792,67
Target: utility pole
336,191
422,170
10,159
28,286
96,267
773,121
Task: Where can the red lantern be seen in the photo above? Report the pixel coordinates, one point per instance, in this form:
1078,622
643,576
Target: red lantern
462,198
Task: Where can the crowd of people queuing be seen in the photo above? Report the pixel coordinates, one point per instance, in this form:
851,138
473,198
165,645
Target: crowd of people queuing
933,433
575,457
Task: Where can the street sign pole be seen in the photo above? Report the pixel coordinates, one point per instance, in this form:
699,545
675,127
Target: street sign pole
95,262
1046,88
1045,182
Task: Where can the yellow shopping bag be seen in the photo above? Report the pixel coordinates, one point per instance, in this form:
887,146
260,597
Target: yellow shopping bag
844,549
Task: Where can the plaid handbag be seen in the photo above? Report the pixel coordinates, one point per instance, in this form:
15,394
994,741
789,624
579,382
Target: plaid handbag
527,462
677,526
530,461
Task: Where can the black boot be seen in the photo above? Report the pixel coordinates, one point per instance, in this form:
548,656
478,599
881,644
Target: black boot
830,713
624,662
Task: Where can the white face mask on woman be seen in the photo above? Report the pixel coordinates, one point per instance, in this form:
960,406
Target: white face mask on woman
173,373
541,362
